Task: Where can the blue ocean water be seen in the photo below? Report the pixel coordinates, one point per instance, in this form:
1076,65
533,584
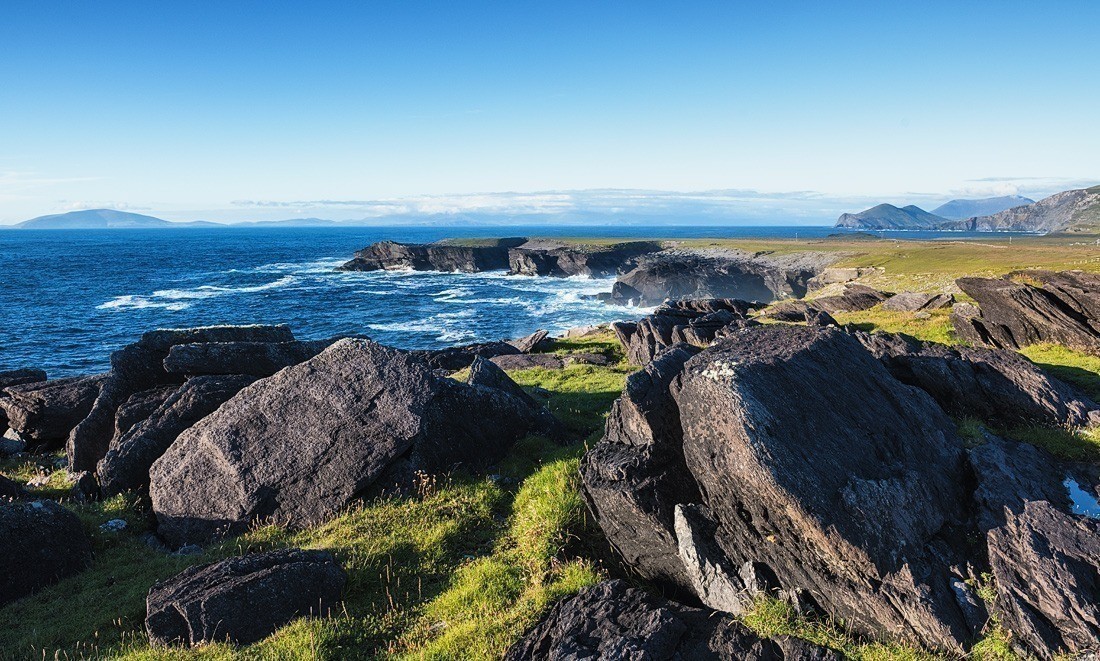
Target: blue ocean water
69,298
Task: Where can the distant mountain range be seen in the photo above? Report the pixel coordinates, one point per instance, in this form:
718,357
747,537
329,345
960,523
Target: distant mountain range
97,219
1068,211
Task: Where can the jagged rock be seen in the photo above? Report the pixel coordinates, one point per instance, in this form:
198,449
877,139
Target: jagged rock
390,255
635,476
20,376
85,487
132,453
999,387
9,489
243,599
1043,556
588,359
596,261
485,374
140,366
258,359
839,275
585,331
526,361
854,299
140,406
453,359
41,543
691,322
529,343
798,311
44,412
908,301
299,446
611,620
1031,307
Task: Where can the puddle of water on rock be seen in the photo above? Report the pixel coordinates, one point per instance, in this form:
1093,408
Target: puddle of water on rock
1083,501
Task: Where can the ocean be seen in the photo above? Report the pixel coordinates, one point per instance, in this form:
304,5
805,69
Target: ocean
69,298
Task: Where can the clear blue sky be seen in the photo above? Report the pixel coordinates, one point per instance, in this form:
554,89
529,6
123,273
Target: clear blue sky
190,109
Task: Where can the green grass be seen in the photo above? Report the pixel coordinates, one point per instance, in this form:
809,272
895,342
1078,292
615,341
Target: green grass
936,328
1073,367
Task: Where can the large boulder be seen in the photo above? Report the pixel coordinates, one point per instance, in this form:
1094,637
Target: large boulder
634,477
258,359
695,322
909,301
595,261
1043,556
529,343
612,620
9,489
44,412
1032,307
452,359
132,453
242,600
140,406
390,255
997,386
139,367
854,298
16,377
41,543
798,312
299,446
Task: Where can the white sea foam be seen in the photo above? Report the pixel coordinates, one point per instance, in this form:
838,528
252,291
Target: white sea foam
174,299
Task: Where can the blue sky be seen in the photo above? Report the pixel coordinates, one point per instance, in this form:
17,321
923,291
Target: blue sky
235,110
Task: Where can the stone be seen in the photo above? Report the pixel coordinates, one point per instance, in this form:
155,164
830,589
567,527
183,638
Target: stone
299,446
140,406
453,359
244,599
690,322
44,412
130,456
390,255
854,298
839,275
612,620
41,543
798,311
908,301
257,359
531,342
585,358
10,489
21,376
526,361
594,261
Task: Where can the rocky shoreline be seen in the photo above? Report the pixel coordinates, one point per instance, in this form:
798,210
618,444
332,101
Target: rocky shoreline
760,450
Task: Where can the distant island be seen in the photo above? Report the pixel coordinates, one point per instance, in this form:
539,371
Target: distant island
1068,211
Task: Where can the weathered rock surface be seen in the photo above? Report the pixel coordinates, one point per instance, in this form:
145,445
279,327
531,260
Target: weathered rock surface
530,342
799,311
139,367
634,477
614,621
16,378
1032,307
528,361
675,275
132,453
390,255
855,298
258,359
243,599
299,446
839,275
695,322
41,543
909,301
453,359
596,261
44,412
140,406
999,387
1043,556
9,489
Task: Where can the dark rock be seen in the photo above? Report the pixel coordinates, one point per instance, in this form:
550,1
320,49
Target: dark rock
526,361
140,406
999,387
41,543
1032,307
299,446
589,359
634,477
85,487
798,311
43,413
244,599
140,366
389,255
691,322
908,301
258,359
596,261
1043,556
612,620
531,342
453,359
131,454
10,489
854,299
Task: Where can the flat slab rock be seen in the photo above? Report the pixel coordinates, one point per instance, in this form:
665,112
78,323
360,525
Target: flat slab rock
614,621
44,412
244,599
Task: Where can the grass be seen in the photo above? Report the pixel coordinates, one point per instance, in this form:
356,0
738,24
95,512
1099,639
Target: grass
936,328
1073,367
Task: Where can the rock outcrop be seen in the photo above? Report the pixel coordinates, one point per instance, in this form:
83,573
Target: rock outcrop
908,301
390,255
612,620
258,359
242,600
41,543
132,453
854,298
695,322
595,261
1068,211
1032,307
299,446
529,343
452,359
798,311
44,412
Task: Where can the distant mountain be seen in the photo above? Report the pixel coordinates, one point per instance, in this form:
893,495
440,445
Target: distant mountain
1068,211
95,219
889,217
963,209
